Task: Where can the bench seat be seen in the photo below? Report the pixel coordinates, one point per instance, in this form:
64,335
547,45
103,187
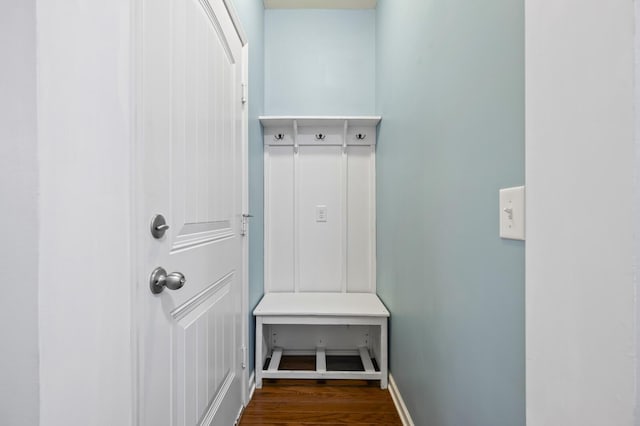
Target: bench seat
321,309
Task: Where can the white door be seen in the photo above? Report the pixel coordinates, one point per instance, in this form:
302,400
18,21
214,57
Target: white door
191,172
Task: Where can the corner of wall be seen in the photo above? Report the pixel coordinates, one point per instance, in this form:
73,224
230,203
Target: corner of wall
19,316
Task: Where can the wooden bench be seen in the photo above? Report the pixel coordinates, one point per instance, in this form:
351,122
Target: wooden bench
339,309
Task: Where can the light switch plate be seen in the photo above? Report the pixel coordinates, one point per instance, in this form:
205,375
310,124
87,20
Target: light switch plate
512,213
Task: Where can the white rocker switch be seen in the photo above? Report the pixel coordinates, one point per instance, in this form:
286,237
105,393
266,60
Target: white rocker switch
512,213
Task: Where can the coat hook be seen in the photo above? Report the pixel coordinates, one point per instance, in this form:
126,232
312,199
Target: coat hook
278,136
361,136
320,136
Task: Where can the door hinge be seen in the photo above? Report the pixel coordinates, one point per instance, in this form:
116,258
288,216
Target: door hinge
245,224
244,94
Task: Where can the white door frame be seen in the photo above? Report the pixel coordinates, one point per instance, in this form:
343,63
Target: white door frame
245,210
138,229
245,198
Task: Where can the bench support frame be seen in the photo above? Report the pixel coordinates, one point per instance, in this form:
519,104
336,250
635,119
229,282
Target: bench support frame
272,372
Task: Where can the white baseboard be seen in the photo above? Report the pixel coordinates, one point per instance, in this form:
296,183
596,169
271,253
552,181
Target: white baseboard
252,388
399,402
252,385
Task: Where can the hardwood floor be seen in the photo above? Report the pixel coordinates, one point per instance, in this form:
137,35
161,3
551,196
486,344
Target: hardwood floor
317,402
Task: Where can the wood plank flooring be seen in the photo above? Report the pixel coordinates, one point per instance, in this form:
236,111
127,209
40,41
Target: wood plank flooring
320,403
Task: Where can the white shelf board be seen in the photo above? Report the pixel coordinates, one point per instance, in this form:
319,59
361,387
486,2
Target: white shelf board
321,304
366,360
287,120
276,357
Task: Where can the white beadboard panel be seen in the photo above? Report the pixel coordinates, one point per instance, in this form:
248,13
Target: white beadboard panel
320,243
279,217
188,358
226,93
202,360
302,254
229,135
214,57
202,354
202,141
203,197
360,229
229,336
189,132
214,365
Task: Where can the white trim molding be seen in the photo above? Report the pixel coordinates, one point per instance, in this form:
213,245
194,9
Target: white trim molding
399,403
320,4
236,21
251,386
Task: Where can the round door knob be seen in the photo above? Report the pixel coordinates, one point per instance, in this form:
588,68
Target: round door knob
174,281
159,279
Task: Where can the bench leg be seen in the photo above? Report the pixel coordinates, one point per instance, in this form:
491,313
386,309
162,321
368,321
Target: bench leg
258,363
384,369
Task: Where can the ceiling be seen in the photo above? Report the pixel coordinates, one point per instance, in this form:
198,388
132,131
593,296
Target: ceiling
320,4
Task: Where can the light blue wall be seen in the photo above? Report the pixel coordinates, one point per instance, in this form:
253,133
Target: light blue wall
319,62
360,43
450,88
252,18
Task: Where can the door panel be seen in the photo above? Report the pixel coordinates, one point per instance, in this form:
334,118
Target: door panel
204,339
191,137
203,129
